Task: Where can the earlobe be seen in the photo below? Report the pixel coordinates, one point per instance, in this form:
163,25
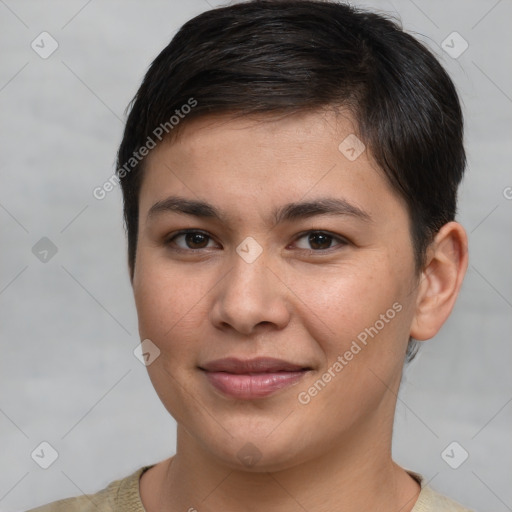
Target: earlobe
440,280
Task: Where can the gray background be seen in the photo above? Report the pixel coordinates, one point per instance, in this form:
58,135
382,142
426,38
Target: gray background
68,326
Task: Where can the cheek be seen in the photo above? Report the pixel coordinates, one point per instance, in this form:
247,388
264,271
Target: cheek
171,314
348,300
170,306
367,315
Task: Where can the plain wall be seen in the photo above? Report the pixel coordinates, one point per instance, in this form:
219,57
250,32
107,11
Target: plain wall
68,326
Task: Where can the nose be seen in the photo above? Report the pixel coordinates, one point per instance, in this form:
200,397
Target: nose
251,298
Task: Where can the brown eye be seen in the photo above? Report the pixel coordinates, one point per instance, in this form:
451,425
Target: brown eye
319,241
196,240
191,240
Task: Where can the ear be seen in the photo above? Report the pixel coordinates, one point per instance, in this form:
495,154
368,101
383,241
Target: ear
440,281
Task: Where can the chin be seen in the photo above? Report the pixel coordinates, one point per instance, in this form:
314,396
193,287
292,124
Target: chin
257,446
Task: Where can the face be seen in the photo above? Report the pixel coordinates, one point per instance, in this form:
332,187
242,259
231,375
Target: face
275,274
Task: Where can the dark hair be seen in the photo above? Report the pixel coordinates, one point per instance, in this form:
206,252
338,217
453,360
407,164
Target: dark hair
288,56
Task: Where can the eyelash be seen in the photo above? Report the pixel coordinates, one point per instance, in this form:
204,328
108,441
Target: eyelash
341,241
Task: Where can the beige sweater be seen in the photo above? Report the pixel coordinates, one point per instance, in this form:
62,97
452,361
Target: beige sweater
123,496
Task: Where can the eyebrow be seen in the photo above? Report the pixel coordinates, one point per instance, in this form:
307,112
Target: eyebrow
287,212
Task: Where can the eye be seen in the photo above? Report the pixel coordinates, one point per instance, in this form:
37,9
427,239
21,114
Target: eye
318,241
313,241
191,240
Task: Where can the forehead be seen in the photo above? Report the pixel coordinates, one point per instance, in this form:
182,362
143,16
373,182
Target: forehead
263,136
266,160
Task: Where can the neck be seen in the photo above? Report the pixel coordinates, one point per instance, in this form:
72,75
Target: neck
356,474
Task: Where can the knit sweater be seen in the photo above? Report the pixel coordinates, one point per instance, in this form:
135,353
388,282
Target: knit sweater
123,496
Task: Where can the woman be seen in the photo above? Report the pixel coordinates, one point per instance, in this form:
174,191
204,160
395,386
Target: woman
289,172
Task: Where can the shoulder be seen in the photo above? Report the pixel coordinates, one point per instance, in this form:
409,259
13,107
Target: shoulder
431,501
120,495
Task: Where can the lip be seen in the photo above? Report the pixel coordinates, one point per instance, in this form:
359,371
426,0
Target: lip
253,378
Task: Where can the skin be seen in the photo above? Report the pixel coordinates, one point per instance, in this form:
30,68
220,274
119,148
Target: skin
301,300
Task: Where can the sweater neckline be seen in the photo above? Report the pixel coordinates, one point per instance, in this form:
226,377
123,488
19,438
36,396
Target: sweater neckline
129,491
